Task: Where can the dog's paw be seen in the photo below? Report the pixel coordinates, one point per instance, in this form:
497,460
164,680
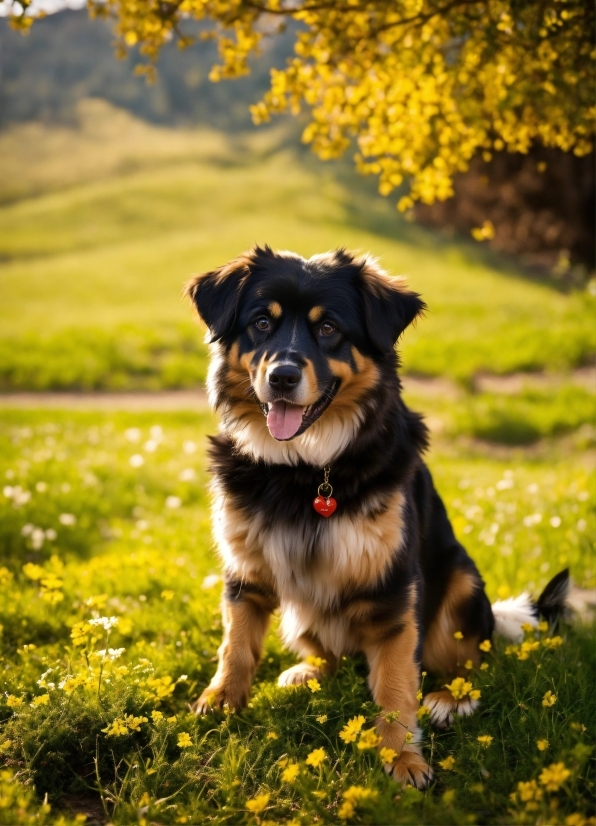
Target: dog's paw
410,769
218,696
299,674
444,707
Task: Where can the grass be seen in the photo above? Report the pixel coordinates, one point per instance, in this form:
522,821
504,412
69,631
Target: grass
106,515
102,226
89,531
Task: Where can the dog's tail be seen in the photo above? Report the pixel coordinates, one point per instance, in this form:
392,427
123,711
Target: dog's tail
511,614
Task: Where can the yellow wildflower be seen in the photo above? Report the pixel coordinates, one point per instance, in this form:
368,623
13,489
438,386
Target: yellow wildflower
529,791
352,727
316,757
484,666
475,694
554,776
419,695
526,648
409,737
167,595
356,793
448,763
41,700
549,699
314,685
156,716
14,702
469,665
552,642
134,723
576,819
322,718
543,626
184,740
272,736
258,803
458,635
116,729
387,755
459,688
511,650
369,739
485,645
346,810
485,740
542,745
290,773
422,712
318,662
320,794
527,627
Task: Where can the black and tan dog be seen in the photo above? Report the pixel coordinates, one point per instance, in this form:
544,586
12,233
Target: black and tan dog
323,506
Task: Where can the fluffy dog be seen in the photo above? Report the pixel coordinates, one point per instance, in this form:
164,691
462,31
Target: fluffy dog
323,506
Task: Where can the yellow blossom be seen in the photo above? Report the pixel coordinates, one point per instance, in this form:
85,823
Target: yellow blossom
542,745
356,793
314,685
116,729
272,736
448,763
167,595
134,723
543,626
258,803
318,662
316,757
475,694
577,819
484,666
387,755
290,773
485,740
458,635
485,645
459,688
552,642
422,712
549,699
369,739
529,791
322,718
346,810
554,776
184,740
156,716
527,627
41,700
350,731
409,737
469,665
14,702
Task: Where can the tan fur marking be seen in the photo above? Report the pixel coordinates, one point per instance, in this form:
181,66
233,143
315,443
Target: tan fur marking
245,623
354,385
316,314
275,309
441,652
394,681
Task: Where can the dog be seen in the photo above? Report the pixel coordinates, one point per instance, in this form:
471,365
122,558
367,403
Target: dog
323,506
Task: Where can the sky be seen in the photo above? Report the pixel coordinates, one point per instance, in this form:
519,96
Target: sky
49,6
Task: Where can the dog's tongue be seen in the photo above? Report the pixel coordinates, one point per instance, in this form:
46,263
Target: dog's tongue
284,420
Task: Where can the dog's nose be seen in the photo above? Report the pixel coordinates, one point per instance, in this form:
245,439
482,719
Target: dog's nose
285,377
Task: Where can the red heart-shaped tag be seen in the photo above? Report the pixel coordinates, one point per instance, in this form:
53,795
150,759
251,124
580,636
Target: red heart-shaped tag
325,506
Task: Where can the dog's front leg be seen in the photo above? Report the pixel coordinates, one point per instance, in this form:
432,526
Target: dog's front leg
245,621
394,681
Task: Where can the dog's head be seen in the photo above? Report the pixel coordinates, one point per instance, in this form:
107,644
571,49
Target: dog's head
299,342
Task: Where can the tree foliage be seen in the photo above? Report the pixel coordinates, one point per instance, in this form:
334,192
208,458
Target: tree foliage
421,85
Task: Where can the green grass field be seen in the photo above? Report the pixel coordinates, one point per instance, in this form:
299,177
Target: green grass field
105,515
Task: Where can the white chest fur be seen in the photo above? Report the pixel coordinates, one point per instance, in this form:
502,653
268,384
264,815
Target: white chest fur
310,570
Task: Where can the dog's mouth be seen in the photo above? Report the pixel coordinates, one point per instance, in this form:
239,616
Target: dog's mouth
286,421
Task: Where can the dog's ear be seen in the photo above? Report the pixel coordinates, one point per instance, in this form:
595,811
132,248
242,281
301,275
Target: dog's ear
388,306
215,294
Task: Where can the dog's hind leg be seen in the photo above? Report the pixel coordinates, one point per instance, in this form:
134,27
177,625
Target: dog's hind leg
451,646
317,661
245,619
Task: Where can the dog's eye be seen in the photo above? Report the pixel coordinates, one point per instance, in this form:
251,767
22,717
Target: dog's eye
327,328
262,323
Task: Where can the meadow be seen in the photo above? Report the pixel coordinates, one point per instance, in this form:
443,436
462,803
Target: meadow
109,583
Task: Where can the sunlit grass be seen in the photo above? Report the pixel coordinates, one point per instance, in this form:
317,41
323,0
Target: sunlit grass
106,515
